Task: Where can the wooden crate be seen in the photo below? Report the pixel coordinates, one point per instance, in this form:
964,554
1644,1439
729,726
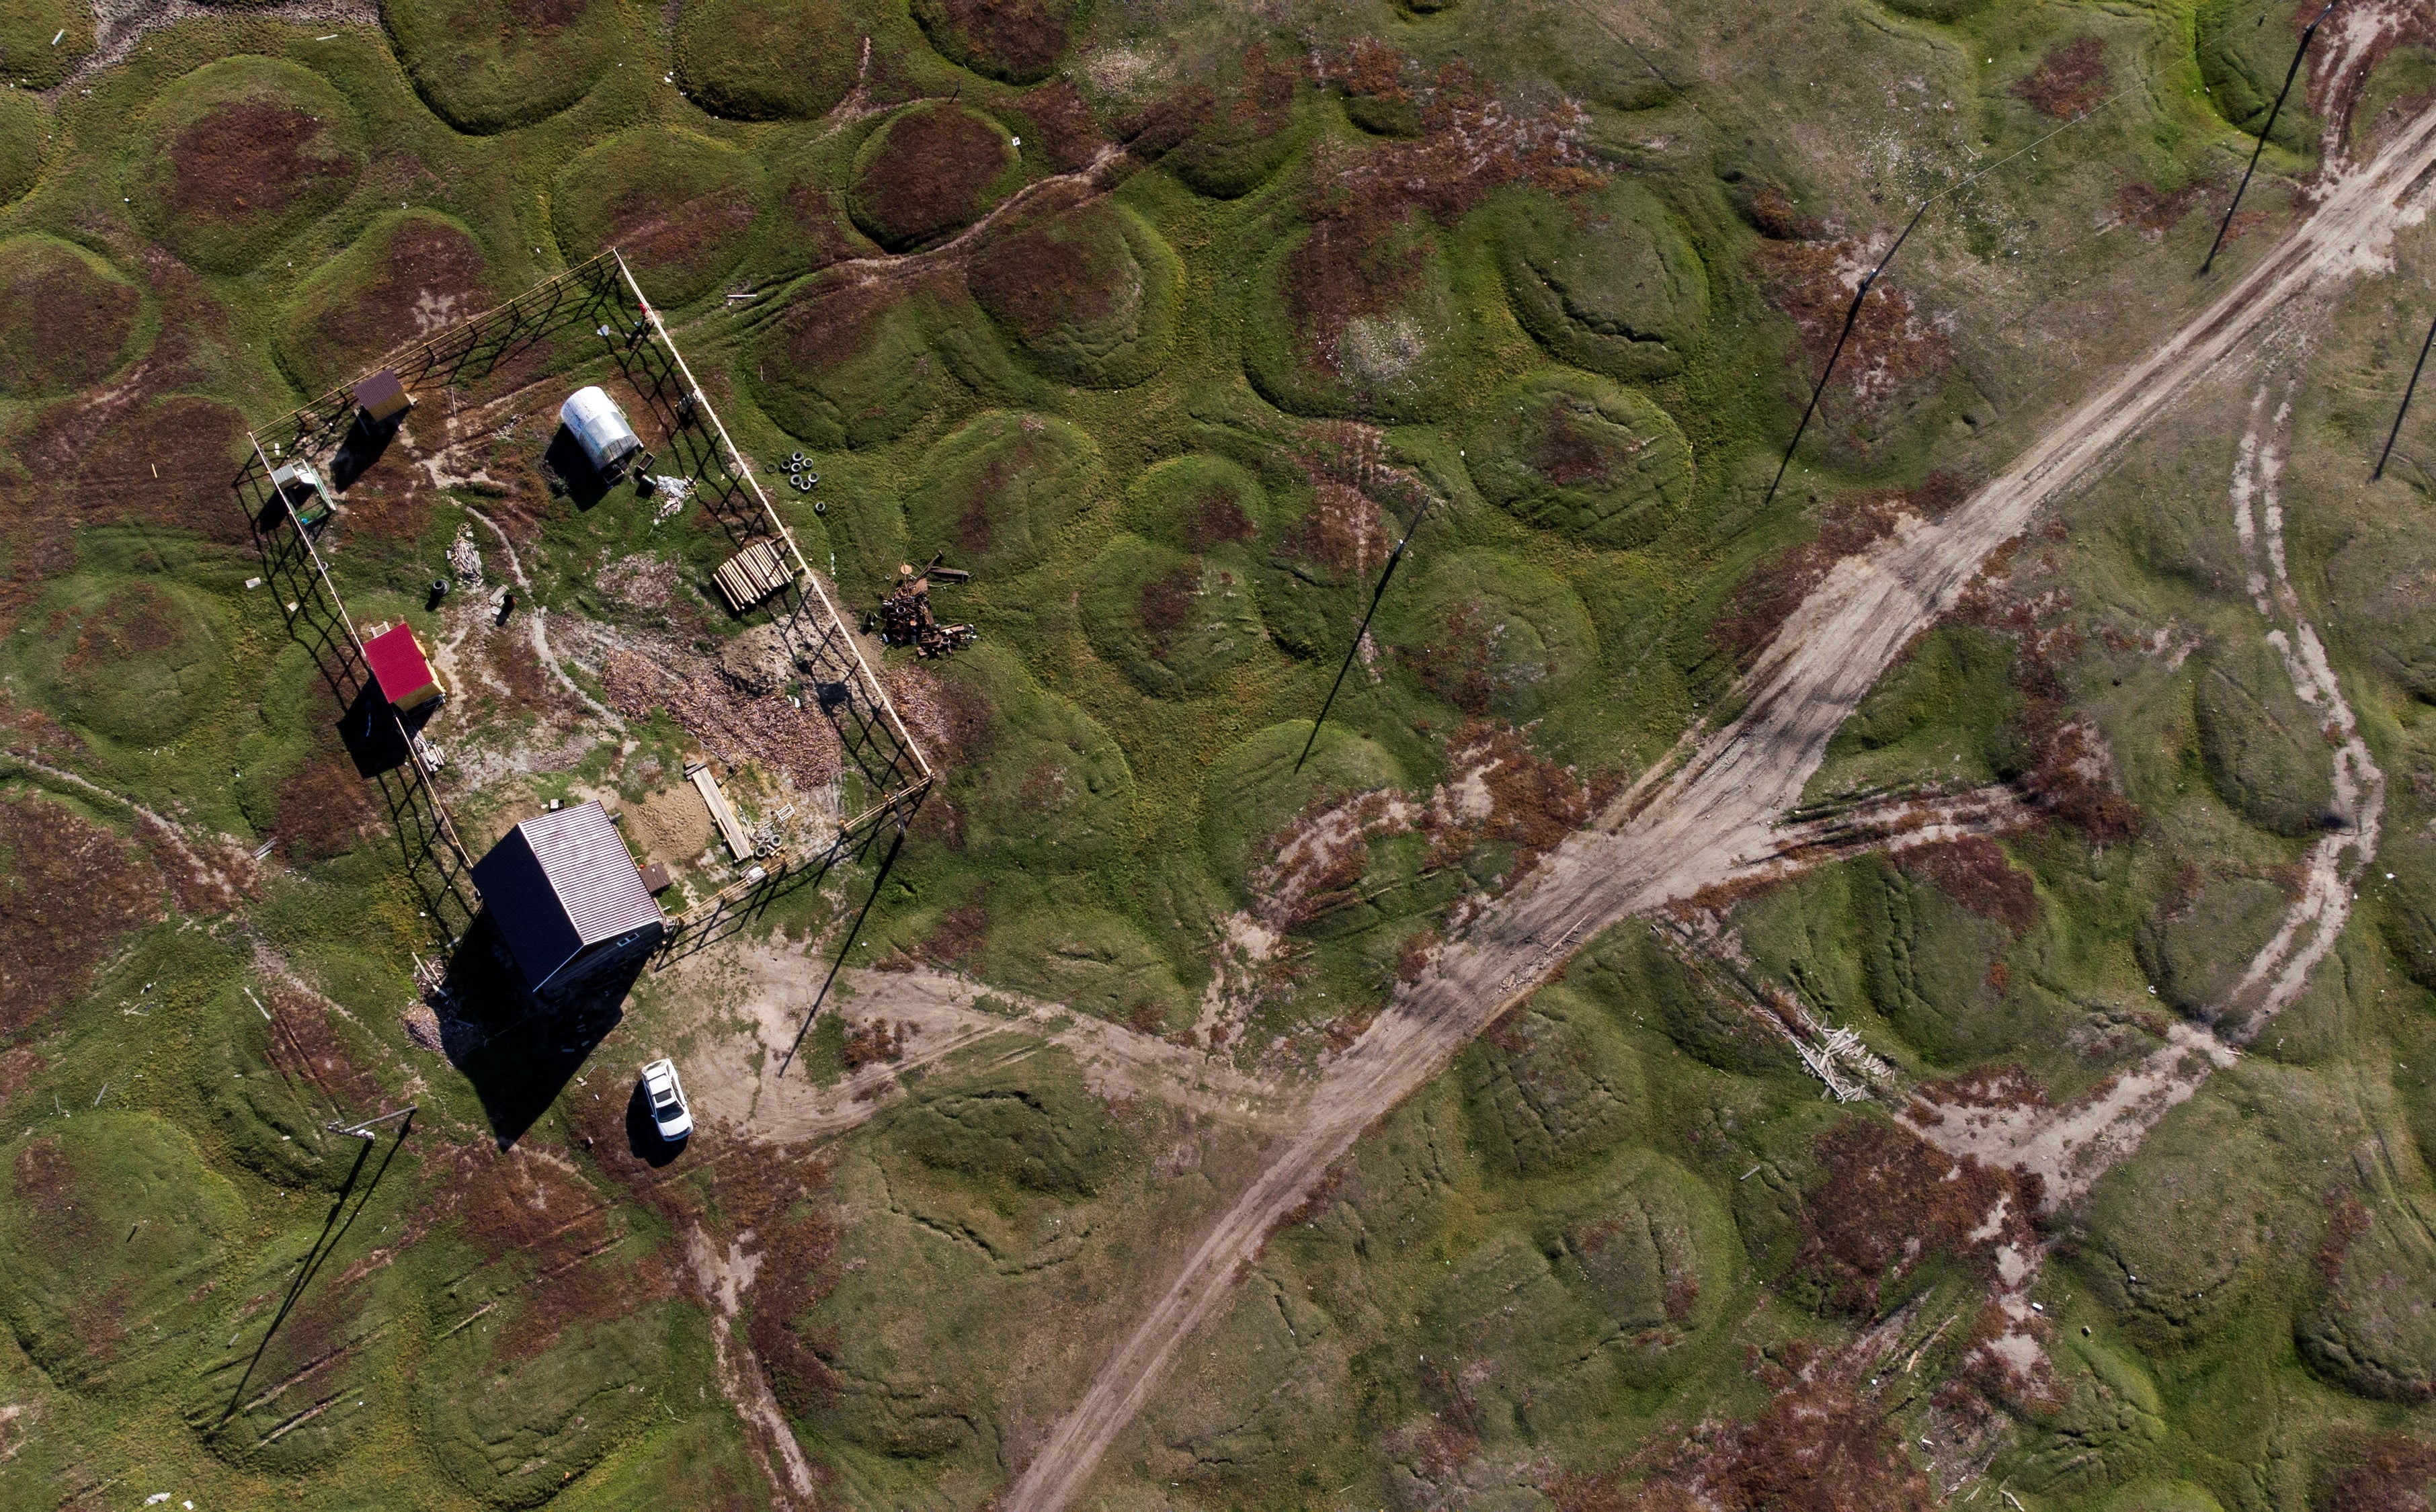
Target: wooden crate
752,575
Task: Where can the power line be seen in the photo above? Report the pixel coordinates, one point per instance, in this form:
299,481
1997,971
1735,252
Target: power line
2298,53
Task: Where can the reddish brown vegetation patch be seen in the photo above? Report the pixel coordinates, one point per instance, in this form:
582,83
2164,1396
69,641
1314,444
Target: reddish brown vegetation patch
2375,1473
962,937
1064,267
1214,517
1821,1446
320,808
430,275
1891,346
306,1046
2071,79
1015,40
1974,872
1167,603
17,1067
61,325
70,890
732,725
1885,1200
1367,208
1992,1087
545,1235
1768,594
872,1043
1344,534
252,160
2155,212
931,174
1063,125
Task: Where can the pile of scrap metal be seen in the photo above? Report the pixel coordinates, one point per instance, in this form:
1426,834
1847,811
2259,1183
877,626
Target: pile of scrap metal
904,617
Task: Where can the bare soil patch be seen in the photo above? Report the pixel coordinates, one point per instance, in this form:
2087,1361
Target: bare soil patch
2072,78
734,726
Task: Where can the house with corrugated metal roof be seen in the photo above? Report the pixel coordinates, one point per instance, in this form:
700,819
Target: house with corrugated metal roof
567,898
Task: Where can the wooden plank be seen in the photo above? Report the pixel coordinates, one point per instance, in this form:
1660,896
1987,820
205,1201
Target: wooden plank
739,843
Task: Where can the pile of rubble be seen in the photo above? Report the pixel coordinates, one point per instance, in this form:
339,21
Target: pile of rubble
904,617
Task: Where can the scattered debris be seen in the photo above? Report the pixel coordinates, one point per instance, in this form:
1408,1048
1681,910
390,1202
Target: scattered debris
904,617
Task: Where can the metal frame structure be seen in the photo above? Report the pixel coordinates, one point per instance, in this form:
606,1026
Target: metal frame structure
601,294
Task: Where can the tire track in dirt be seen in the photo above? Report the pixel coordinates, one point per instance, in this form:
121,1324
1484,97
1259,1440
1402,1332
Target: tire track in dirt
2072,1147
1716,809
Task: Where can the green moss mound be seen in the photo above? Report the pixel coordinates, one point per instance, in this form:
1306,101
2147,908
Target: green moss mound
1647,1251
296,1397
1090,960
1607,1290
239,156
1549,1086
2196,949
28,59
1244,128
1362,323
487,65
679,206
65,317
770,60
509,1429
1636,978
1034,1124
1054,793
1571,453
2406,915
412,272
2262,745
22,127
997,491
1198,502
110,1222
1254,790
1016,41
2373,1330
852,367
1492,634
2245,48
1609,282
134,662
2179,1230
1169,621
930,169
1927,961
1086,292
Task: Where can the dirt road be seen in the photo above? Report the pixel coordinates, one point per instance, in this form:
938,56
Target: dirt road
1715,810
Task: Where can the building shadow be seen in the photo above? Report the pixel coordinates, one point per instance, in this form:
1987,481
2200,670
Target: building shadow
516,1049
374,738
366,441
567,462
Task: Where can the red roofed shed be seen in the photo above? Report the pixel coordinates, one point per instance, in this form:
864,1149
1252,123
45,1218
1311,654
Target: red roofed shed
402,671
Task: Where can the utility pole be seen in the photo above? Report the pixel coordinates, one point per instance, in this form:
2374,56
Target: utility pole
2410,389
1376,594
1852,316
2277,109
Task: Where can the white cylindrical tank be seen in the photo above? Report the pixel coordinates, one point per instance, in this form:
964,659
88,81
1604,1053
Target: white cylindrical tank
600,428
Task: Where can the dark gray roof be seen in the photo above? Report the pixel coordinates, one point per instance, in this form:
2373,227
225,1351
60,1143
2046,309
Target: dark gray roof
560,882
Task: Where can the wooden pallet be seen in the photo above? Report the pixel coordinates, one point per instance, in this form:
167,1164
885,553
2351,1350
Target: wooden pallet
752,575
